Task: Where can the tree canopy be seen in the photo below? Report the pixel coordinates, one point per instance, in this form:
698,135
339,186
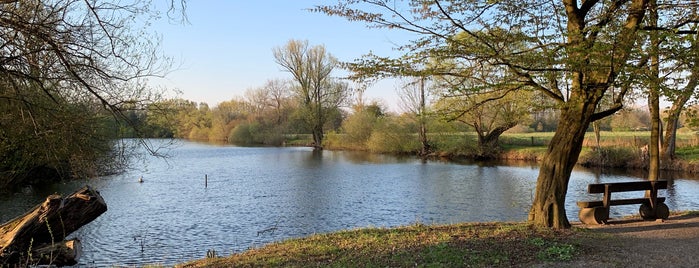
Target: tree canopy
71,71
317,91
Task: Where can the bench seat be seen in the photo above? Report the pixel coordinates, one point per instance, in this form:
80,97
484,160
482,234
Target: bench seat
597,212
617,202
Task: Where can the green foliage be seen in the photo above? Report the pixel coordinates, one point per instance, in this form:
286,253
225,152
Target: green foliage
552,251
359,125
53,140
455,143
556,252
244,134
73,77
334,140
630,120
392,137
256,134
688,153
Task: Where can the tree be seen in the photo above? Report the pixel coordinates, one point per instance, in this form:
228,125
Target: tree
681,75
317,91
278,92
632,119
360,124
572,52
669,44
68,68
414,100
490,116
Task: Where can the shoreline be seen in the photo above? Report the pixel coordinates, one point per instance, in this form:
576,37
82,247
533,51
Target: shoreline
626,242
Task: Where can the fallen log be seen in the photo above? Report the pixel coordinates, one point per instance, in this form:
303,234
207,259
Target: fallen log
58,254
37,236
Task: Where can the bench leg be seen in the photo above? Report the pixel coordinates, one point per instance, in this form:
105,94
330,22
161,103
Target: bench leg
662,211
647,213
595,215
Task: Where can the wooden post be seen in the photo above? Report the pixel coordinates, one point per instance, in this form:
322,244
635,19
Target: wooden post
206,181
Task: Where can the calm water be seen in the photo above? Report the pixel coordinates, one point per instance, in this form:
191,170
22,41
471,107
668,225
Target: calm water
260,195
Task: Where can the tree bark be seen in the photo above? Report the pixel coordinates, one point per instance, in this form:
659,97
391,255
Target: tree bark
488,143
654,96
26,238
422,117
548,208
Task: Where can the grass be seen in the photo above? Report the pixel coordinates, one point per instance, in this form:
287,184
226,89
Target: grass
690,153
457,245
460,245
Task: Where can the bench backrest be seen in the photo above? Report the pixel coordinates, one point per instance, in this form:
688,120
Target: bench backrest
626,186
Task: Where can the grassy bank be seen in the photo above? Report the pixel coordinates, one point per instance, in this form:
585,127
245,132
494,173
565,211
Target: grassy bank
471,245
457,245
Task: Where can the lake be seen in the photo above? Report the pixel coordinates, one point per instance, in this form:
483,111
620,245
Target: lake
257,195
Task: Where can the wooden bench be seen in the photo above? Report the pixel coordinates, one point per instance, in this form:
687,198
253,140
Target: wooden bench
597,212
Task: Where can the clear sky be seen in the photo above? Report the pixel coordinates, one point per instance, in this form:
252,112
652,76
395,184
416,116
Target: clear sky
226,48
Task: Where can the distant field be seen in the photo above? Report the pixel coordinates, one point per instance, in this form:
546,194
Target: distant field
607,138
533,145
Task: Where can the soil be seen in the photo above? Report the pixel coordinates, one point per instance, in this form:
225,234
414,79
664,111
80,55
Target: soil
637,243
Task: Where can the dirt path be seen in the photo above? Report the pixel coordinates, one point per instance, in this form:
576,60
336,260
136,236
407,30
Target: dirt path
636,243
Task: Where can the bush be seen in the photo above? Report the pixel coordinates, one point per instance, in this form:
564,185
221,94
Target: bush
391,137
242,134
455,144
334,140
610,157
358,127
255,133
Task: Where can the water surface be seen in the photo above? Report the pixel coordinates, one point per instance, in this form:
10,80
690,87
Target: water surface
256,196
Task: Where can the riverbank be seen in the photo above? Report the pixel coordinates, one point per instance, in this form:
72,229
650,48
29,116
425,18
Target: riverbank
629,242
613,150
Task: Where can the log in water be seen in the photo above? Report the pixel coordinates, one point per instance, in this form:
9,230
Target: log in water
37,237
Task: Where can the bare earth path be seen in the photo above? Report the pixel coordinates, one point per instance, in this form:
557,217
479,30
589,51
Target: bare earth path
636,243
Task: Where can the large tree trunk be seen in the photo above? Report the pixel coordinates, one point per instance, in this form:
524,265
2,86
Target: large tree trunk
41,231
548,208
488,143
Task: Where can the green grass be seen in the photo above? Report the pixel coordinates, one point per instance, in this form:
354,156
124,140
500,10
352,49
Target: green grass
688,153
461,245
456,245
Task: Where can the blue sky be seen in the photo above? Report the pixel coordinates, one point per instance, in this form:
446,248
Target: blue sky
227,46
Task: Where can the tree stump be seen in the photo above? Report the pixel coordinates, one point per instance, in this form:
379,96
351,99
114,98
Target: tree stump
37,236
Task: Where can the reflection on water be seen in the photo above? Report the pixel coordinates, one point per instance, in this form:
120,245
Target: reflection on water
259,195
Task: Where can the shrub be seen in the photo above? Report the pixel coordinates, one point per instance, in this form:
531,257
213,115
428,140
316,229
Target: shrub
242,134
610,157
391,137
